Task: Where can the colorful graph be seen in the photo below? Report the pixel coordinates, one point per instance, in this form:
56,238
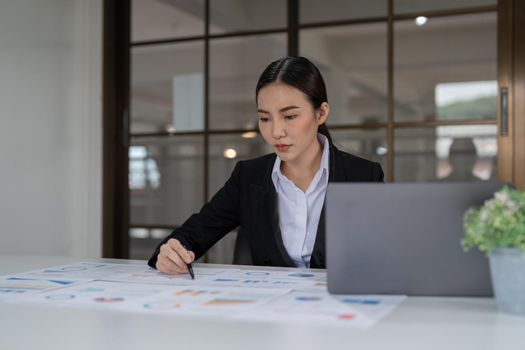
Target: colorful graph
21,287
308,298
31,284
108,300
66,269
92,290
346,316
257,273
301,275
162,305
361,301
60,296
226,280
195,292
79,267
224,302
9,290
62,282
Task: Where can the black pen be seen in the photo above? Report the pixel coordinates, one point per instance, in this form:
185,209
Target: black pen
190,268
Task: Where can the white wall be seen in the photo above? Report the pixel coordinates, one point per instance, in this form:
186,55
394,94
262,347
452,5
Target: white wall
50,127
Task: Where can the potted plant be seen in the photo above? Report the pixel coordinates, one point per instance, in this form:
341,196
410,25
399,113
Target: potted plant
497,228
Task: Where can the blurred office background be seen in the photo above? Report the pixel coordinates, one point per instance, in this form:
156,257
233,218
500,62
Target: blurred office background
415,85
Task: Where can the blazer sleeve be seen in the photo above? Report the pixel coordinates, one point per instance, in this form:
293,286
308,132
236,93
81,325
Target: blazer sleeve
216,218
377,174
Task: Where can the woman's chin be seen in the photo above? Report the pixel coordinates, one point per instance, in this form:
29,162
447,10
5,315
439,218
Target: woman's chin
285,156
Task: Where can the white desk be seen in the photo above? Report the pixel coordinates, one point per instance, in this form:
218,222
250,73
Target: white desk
419,323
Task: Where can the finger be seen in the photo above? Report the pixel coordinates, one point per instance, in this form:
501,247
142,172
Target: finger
168,258
181,250
186,255
173,243
176,259
162,267
161,257
169,248
169,264
168,267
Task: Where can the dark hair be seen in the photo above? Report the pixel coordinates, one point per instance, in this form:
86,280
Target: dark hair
303,75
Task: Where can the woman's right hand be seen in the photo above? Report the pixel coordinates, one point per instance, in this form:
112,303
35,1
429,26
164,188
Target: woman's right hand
173,258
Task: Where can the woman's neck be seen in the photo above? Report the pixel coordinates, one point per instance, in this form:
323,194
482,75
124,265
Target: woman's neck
302,171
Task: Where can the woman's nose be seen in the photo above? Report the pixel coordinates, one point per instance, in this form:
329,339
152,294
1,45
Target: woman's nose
278,130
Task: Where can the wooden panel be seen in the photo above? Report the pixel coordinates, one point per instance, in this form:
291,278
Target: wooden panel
115,206
519,94
505,79
390,98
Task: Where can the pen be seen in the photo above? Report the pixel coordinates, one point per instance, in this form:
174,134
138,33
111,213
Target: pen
190,268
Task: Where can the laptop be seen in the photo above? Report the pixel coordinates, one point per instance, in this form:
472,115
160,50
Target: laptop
404,238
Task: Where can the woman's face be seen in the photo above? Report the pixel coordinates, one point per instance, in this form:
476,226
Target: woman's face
288,122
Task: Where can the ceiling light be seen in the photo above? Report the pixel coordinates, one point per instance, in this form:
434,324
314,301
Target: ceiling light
170,128
421,20
249,135
229,153
381,151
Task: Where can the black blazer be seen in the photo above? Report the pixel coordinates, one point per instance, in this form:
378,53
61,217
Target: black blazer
248,200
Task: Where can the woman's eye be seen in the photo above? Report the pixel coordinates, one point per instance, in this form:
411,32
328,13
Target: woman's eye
263,119
290,117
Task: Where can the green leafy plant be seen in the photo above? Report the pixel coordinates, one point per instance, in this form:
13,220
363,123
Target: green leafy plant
498,223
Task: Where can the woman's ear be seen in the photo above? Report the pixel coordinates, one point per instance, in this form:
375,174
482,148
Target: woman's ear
322,113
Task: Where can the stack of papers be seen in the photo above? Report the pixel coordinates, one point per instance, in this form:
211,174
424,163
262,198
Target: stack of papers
298,296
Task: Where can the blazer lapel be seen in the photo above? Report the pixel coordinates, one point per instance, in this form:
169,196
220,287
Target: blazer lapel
336,175
317,260
266,214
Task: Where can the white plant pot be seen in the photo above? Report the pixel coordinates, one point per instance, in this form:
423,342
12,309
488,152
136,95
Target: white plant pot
507,269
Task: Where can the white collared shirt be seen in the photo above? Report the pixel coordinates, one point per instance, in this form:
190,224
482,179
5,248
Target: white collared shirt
299,211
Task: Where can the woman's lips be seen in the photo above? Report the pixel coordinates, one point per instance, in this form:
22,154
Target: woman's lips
282,148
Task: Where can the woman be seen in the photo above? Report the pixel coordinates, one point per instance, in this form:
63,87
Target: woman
275,200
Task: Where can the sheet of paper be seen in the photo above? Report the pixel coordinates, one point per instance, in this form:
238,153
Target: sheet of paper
80,270
300,279
124,273
223,302
13,286
323,309
95,294
146,274
375,307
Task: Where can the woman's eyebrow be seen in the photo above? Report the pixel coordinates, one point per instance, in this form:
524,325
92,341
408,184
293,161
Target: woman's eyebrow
287,108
